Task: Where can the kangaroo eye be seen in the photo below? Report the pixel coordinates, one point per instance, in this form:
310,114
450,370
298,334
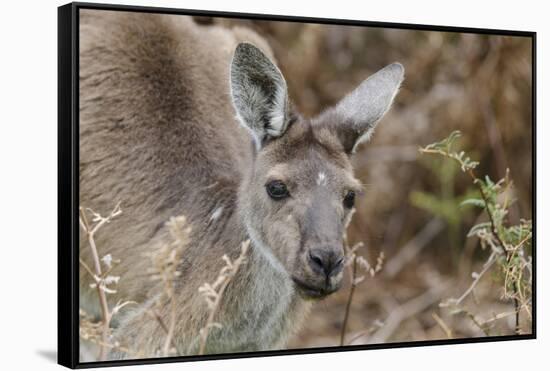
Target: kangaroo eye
277,190
349,199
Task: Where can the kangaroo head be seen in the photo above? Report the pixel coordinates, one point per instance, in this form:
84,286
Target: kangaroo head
299,194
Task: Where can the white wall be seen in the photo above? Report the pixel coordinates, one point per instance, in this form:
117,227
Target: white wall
28,152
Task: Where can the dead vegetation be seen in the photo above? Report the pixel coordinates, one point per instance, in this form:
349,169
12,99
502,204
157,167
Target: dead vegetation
98,333
214,292
164,263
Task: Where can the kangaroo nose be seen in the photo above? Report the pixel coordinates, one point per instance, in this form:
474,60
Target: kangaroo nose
327,261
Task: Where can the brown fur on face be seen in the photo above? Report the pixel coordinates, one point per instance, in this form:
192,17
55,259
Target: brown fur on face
299,228
312,163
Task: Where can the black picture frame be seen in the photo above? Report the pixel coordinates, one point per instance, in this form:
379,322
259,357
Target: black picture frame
68,185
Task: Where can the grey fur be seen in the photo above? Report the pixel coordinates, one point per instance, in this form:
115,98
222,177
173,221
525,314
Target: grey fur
362,109
158,133
259,93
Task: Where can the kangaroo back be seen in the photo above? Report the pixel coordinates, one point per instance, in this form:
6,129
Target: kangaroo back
157,130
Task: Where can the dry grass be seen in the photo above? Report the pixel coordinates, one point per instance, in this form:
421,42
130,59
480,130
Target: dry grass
164,262
213,292
358,266
102,280
164,269
165,259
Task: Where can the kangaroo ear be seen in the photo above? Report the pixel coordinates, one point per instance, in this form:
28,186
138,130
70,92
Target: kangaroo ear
259,93
356,115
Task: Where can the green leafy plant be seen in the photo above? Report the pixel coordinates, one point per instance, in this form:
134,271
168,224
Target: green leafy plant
510,245
446,203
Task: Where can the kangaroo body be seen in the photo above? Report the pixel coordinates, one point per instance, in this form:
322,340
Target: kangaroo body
151,104
163,133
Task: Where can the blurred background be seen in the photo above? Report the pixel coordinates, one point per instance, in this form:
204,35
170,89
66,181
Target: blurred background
478,84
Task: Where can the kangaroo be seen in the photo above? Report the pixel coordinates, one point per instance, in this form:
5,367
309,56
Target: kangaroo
178,118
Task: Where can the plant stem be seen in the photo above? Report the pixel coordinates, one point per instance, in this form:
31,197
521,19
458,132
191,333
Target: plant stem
350,299
170,331
517,309
106,315
495,233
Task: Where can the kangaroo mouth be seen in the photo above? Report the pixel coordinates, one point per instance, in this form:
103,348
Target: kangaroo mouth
309,291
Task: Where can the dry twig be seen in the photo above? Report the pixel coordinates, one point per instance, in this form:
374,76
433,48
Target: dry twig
101,281
402,312
353,262
413,247
165,261
446,329
477,277
213,293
